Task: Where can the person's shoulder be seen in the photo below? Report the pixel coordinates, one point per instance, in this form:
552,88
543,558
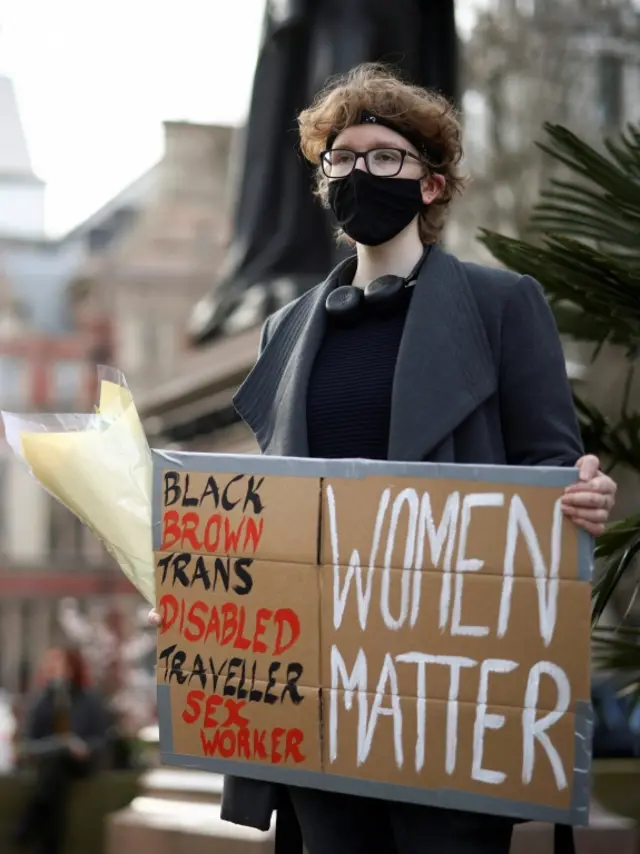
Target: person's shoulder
497,290
490,283
282,316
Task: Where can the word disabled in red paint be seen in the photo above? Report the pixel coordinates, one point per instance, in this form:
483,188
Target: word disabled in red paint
228,624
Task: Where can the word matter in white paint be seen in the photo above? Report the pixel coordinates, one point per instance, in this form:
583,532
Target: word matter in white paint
354,686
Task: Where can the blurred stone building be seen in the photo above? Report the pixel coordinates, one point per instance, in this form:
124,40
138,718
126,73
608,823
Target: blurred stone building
118,289
145,287
526,62
47,364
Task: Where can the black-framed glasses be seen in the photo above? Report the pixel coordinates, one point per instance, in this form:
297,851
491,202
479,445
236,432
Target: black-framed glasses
382,162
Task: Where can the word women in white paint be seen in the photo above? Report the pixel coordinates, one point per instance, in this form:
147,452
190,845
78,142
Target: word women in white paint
420,529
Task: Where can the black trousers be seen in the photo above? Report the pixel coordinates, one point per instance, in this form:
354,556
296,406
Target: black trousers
337,824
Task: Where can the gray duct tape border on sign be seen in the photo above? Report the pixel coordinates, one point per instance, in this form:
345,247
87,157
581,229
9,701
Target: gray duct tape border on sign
576,814
303,467
298,467
164,718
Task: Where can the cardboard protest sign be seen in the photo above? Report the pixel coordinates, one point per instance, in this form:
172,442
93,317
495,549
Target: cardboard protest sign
411,632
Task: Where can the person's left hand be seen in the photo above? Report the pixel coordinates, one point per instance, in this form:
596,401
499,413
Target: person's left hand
589,502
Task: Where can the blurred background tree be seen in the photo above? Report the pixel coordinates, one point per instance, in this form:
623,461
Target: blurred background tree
584,247
526,62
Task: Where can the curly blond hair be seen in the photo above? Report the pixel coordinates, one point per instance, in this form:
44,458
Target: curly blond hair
380,90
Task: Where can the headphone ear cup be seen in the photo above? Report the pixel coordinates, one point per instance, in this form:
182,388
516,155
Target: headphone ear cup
384,293
343,304
382,296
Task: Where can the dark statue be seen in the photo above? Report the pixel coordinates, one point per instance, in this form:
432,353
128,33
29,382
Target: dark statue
282,242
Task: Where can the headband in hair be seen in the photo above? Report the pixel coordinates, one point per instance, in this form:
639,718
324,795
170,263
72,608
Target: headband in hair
432,153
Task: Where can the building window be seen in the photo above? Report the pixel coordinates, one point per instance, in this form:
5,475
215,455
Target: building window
611,78
129,346
145,344
166,335
4,488
66,538
92,549
13,381
150,341
66,382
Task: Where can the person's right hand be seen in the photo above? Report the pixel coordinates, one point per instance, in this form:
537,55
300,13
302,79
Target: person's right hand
154,618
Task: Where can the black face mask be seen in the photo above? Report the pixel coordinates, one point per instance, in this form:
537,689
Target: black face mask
372,210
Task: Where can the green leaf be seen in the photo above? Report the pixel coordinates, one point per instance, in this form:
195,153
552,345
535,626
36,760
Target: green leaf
617,537
618,651
615,568
586,248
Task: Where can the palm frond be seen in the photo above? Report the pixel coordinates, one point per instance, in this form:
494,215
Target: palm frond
618,442
575,323
574,273
617,536
615,567
618,651
605,204
586,252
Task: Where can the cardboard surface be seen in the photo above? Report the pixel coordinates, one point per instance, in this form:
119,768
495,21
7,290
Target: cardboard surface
414,632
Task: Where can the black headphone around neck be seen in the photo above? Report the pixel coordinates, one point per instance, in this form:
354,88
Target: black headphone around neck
345,302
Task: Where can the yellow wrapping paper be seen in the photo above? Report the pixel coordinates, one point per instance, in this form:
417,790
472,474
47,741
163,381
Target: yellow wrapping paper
102,472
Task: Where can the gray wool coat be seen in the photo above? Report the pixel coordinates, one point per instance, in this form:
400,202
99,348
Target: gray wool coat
480,379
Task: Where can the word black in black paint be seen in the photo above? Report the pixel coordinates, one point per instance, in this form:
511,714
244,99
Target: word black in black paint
189,571
246,494
236,669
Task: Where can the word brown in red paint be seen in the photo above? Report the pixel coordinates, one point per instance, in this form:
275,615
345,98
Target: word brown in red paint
215,534
200,621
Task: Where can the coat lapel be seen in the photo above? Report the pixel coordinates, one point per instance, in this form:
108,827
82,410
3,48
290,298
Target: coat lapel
445,368
273,398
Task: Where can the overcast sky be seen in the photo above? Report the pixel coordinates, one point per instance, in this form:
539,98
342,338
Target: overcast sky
95,80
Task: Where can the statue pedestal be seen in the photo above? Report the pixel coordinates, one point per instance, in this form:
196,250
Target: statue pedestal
607,834
179,813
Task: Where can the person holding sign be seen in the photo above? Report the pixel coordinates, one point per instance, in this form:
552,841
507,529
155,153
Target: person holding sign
405,353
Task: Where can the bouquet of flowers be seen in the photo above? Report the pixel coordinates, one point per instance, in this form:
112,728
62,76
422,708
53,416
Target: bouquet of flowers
99,466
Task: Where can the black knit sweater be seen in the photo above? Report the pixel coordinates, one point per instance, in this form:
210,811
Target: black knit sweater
350,387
